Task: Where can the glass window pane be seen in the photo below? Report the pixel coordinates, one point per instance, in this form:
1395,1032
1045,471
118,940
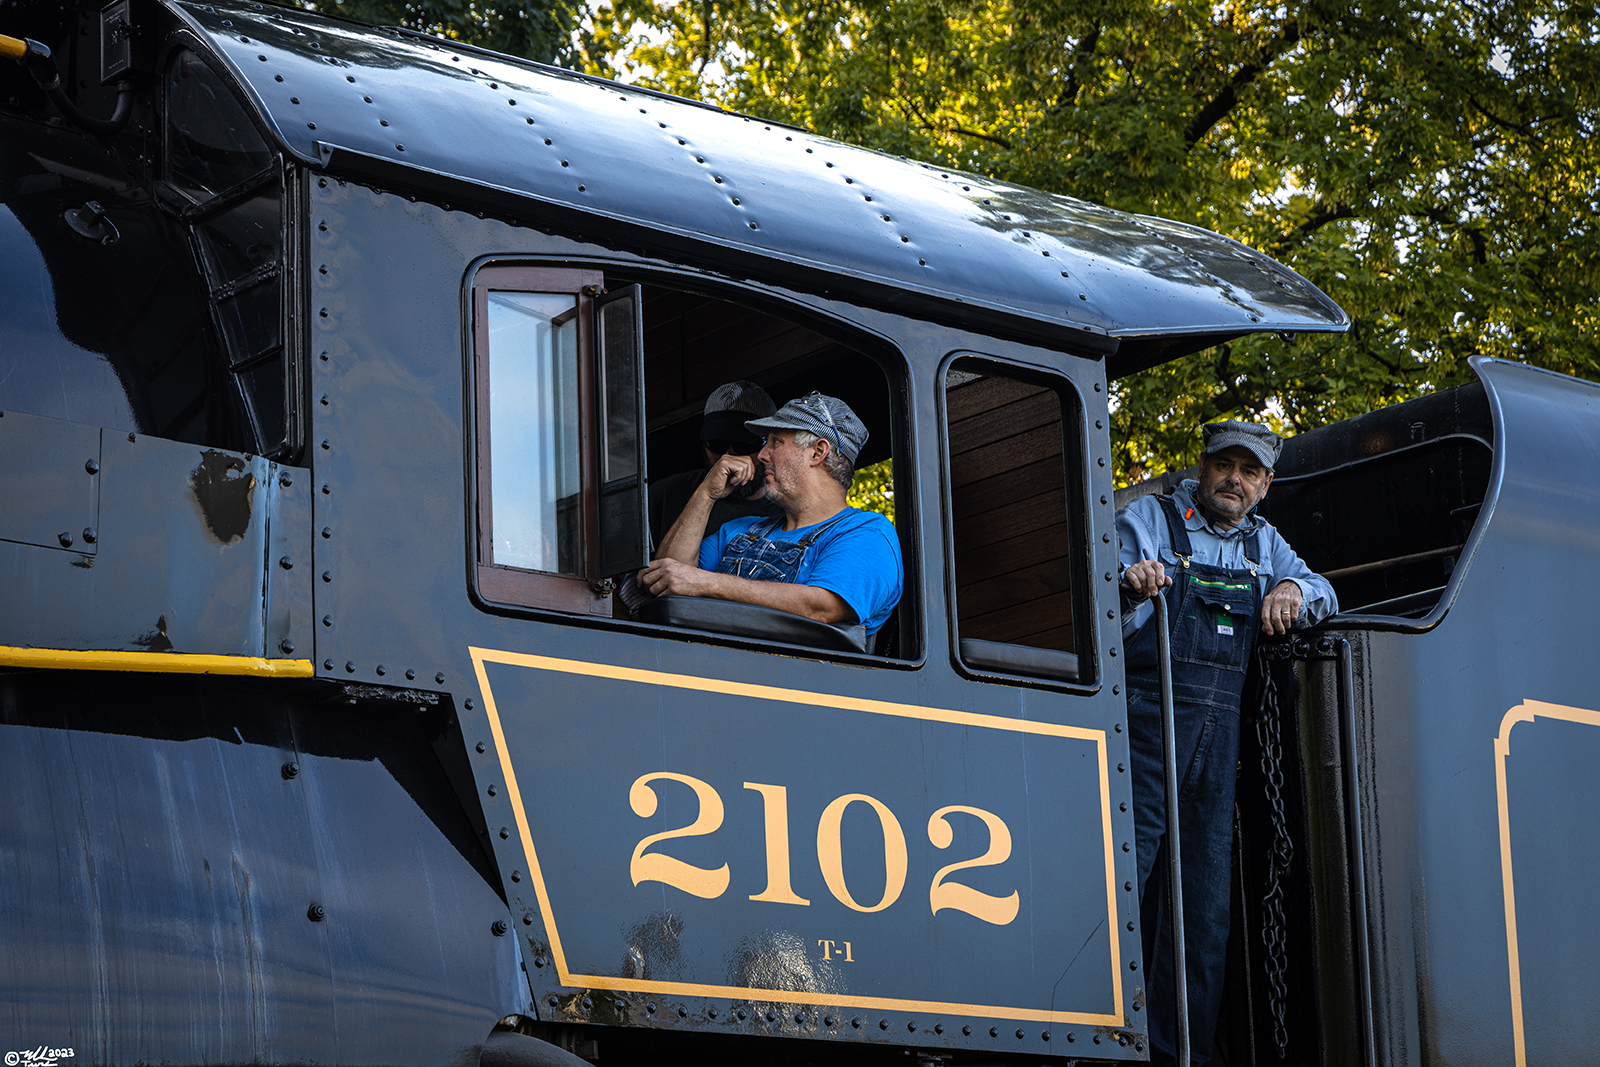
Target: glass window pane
535,475
211,143
620,368
243,238
250,322
264,387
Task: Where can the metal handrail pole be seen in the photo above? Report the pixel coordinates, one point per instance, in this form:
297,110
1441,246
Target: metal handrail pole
1358,860
1169,764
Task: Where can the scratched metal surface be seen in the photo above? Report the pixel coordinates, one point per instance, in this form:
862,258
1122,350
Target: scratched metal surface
731,186
160,866
189,548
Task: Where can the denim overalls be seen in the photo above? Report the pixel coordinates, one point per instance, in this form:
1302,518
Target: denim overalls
1215,615
753,554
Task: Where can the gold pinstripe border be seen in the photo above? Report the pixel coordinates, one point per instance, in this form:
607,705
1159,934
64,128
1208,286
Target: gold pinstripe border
160,662
482,656
1527,711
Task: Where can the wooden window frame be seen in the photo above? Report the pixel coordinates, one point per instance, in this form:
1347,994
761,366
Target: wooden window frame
500,583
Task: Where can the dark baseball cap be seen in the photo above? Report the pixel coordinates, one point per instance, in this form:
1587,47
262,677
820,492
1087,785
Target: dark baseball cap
729,407
828,417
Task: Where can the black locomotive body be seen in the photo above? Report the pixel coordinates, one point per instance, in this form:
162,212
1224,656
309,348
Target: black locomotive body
333,369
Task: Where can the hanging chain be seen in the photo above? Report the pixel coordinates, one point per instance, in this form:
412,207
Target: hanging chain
1273,931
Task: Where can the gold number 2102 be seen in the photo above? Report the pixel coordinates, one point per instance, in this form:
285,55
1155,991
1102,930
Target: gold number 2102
708,884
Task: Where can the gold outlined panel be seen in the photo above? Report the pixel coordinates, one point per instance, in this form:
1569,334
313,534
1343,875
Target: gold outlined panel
1527,711
481,657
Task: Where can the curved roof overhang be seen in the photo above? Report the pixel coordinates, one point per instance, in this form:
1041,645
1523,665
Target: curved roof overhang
556,149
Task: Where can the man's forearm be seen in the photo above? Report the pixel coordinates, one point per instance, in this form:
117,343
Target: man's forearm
811,601
682,542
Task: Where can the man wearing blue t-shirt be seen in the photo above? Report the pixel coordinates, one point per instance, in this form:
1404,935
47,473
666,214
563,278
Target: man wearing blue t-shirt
822,558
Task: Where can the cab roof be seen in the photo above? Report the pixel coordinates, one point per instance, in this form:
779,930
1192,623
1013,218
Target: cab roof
552,148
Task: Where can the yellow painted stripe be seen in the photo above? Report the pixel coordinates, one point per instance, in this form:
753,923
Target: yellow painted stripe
12,48
1527,711
163,662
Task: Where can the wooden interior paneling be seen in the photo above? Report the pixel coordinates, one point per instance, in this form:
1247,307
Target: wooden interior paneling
1008,496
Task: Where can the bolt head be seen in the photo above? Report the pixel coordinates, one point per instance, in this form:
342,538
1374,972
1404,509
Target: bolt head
93,466
500,927
286,646
89,535
65,539
315,913
291,770
285,479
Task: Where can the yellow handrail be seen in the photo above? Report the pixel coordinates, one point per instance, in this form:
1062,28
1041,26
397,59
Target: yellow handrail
12,48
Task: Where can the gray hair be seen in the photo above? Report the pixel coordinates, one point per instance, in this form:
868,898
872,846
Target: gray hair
836,463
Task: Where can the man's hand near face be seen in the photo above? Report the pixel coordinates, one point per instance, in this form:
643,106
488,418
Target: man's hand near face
727,474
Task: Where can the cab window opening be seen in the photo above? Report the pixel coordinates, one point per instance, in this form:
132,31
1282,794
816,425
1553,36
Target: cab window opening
1016,518
566,542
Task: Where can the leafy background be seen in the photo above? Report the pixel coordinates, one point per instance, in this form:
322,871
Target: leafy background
1432,165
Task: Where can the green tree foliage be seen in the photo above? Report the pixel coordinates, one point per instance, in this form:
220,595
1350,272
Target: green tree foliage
539,30
873,489
1433,165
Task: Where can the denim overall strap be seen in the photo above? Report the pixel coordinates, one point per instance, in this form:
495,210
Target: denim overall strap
1215,616
754,554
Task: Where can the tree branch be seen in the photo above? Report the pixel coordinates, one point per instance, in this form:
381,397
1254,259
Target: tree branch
1225,101
932,127
1085,50
1322,213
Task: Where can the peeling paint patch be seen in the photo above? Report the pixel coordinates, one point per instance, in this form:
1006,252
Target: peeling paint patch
222,490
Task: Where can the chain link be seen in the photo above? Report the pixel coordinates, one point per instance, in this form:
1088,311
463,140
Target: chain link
1274,934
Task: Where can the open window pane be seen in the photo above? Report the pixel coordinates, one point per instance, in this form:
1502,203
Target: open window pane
624,544
535,463
1011,529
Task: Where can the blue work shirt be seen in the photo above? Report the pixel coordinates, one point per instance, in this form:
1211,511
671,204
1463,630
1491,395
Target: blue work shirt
1142,534
858,559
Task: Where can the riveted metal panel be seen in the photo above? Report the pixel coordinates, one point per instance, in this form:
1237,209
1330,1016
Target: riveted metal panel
53,488
204,870
394,546
538,142
189,553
